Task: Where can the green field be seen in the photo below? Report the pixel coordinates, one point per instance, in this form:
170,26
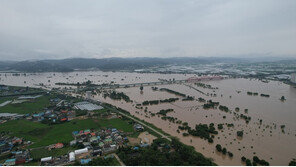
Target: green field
44,135
27,107
42,152
116,123
4,99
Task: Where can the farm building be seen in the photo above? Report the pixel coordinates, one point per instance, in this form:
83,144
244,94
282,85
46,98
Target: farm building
87,106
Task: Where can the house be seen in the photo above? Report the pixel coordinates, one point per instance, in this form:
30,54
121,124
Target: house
73,142
59,145
138,127
10,116
71,156
16,140
84,161
85,144
10,162
4,87
81,151
21,157
93,139
46,160
97,151
109,148
64,119
5,147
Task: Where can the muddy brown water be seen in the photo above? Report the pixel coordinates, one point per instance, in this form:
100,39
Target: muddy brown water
264,141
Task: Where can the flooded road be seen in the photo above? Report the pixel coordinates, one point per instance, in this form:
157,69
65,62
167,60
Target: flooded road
266,140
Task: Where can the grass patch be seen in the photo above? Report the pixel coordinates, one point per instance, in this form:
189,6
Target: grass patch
32,163
102,111
42,152
116,123
134,135
4,99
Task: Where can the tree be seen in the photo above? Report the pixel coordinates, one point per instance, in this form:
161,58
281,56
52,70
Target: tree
256,159
220,126
224,150
230,154
218,147
248,162
141,88
243,158
292,163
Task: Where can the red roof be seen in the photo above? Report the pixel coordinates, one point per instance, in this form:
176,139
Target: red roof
64,119
93,134
20,161
59,145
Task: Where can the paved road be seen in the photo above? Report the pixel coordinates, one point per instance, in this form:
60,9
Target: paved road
118,159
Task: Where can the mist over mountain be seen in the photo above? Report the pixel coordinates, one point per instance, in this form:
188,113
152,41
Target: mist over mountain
115,64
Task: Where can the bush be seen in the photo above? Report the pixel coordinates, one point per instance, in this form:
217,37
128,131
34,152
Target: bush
240,133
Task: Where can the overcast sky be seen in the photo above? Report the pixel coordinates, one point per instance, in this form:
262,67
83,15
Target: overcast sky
47,29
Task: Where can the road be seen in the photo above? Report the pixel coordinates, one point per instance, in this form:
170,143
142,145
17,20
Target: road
143,124
118,159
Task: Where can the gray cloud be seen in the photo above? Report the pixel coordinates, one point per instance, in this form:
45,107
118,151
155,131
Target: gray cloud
47,29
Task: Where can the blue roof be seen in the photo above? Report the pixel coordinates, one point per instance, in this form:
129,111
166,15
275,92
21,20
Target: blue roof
85,161
75,132
136,148
10,160
98,137
144,145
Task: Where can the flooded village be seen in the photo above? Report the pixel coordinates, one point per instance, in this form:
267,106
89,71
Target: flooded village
227,119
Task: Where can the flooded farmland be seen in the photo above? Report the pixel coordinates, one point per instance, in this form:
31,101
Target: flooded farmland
265,139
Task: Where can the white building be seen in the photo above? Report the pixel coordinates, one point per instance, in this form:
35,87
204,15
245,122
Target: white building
87,106
81,151
71,156
46,159
293,77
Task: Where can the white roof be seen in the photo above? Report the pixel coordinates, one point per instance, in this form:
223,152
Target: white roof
71,156
80,151
46,159
9,115
88,106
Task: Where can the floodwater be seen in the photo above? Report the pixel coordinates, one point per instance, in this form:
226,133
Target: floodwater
267,141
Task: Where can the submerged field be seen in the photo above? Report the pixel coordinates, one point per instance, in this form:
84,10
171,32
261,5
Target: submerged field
261,132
